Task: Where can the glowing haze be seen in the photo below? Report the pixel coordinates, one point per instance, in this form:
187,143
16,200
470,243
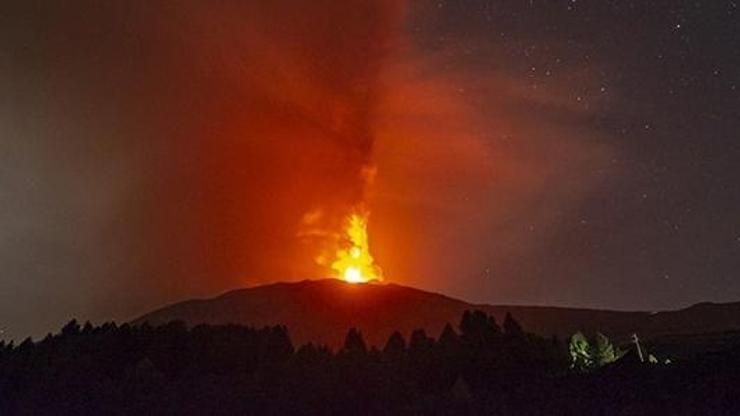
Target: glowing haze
547,152
161,151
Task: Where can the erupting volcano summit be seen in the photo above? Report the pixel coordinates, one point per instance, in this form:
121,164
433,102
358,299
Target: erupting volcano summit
354,263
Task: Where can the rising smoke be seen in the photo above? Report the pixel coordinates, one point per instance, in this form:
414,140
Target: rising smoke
153,150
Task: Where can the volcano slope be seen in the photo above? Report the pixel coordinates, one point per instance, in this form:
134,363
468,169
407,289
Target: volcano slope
321,311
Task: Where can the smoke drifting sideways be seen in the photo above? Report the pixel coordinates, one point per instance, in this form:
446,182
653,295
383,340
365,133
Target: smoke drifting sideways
482,172
157,150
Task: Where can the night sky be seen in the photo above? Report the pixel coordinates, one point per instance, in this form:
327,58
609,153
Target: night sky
575,153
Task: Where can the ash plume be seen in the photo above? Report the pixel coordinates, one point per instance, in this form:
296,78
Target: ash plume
159,149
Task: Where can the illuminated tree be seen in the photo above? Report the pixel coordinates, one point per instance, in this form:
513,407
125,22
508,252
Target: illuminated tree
586,356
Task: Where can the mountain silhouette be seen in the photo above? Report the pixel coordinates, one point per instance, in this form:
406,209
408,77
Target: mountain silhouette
321,311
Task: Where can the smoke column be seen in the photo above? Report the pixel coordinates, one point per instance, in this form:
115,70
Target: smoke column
156,150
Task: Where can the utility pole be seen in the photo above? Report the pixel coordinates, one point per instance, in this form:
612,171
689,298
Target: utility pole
636,340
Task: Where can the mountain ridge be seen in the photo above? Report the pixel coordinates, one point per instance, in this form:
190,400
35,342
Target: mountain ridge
321,311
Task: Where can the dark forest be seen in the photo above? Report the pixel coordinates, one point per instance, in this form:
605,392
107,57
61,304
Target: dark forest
480,367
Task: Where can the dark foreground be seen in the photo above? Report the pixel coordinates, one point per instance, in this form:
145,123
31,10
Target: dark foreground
480,368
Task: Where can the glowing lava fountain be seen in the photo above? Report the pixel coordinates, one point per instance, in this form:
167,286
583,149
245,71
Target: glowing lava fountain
354,262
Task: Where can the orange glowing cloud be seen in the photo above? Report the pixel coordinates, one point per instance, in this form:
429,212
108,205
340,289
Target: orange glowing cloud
470,162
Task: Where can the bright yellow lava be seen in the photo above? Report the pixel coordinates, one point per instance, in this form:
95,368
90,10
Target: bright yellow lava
354,263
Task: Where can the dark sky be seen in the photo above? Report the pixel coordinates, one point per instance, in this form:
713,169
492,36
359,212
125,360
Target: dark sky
580,153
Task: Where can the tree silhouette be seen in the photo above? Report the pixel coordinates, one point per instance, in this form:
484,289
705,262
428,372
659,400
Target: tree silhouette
232,369
449,340
354,344
72,328
395,347
512,328
420,343
479,329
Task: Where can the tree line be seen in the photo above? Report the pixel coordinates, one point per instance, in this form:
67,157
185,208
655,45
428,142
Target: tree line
479,366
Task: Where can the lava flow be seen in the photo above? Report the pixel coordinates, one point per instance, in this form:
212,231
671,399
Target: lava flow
354,262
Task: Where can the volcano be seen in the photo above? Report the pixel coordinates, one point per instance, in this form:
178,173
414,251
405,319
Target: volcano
321,311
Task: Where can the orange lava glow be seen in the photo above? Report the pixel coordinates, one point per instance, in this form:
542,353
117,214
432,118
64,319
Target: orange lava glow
354,263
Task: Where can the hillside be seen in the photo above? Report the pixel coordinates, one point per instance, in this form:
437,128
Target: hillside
322,310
